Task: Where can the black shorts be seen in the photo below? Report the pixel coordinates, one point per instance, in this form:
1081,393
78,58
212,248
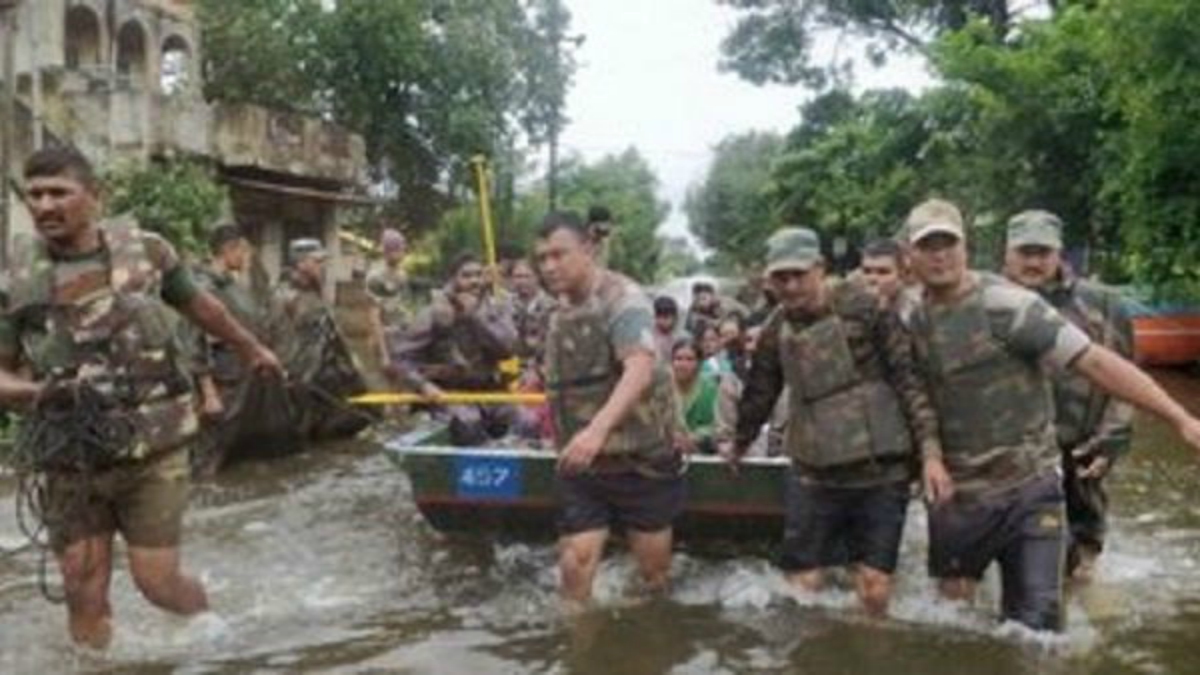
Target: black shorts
1024,530
831,526
626,500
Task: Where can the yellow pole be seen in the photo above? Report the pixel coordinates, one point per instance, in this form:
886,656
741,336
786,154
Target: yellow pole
450,398
479,162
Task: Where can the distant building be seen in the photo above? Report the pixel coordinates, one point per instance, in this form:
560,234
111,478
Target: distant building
119,79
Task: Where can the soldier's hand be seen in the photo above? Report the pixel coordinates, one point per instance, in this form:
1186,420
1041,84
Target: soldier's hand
213,406
1090,464
468,302
731,454
1189,430
431,391
263,361
939,486
684,444
581,451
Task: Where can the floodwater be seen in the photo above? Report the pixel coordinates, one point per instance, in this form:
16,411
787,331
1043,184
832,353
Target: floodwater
321,563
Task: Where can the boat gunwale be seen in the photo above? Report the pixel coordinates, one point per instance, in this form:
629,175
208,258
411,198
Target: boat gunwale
403,446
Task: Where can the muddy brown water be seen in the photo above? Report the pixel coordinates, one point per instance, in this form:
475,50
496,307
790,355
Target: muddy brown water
320,562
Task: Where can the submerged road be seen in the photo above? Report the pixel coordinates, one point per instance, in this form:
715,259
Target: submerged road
321,562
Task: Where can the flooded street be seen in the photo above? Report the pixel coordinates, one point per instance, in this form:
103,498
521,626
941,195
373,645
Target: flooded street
321,562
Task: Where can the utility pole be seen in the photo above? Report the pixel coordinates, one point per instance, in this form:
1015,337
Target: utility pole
556,19
8,109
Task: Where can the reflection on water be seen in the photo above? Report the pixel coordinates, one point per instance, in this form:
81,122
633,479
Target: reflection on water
320,562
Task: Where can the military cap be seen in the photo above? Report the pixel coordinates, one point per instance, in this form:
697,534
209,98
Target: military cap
931,217
1035,228
299,248
793,248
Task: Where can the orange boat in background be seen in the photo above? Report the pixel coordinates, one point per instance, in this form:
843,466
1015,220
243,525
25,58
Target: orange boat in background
1165,335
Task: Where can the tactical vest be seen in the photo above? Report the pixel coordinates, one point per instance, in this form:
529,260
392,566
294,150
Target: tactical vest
989,401
840,412
1079,404
119,339
583,370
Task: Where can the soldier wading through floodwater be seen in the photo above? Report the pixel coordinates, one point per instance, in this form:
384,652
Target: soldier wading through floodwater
989,350
86,319
854,396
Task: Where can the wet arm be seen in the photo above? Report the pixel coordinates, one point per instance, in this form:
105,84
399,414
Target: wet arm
209,314
1124,380
763,385
911,386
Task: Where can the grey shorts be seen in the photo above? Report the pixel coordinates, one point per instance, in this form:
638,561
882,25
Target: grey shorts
1024,531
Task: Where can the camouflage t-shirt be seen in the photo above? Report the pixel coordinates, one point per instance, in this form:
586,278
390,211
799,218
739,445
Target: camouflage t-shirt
1030,342
80,278
624,316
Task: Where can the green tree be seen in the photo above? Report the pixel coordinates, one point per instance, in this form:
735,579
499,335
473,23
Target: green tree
731,212
625,184
855,169
428,83
677,259
773,40
177,199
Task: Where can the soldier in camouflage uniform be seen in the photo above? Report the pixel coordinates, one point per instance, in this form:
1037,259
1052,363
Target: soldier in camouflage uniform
615,412
988,349
218,370
458,343
1093,428
321,368
854,397
388,287
87,311
530,307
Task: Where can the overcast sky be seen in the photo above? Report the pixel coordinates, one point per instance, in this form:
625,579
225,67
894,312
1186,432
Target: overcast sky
648,78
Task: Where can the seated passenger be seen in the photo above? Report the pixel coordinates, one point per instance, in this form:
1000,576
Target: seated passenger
697,394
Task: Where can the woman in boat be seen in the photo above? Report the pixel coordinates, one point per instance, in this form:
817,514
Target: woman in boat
708,342
697,393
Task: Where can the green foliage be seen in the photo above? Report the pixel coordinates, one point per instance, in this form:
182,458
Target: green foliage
429,83
677,259
625,184
178,199
731,211
773,40
1088,112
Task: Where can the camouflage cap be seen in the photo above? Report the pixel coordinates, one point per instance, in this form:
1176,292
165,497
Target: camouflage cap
300,248
793,248
1035,228
934,216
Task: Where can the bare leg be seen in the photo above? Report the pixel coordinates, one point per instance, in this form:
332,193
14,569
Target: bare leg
809,581
874,589
157,573
652,551
86,567
957,588
578,558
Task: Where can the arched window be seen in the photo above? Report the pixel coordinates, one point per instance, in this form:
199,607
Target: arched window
176,65
82,38
131,53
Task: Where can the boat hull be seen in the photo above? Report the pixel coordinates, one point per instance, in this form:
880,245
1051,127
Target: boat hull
1167,339
510,493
